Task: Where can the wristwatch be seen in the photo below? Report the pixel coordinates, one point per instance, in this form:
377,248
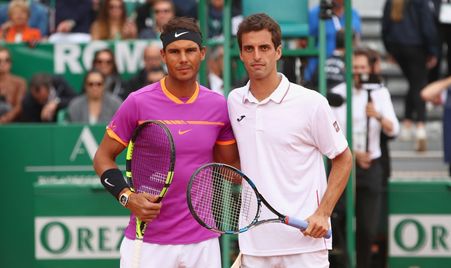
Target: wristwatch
123,198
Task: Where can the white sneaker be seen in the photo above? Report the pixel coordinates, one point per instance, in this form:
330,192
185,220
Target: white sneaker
421,139
406,134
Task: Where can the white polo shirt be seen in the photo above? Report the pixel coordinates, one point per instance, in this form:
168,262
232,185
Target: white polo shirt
383,105
281,141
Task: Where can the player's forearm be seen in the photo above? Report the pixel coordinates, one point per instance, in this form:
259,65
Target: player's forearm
102,163
338,178
105,157
227,154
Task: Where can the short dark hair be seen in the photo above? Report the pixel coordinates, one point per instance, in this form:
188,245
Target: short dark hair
371,55
362,51
258,22
40,80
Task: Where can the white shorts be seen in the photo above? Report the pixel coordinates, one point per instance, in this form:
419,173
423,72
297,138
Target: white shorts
199,255
317,259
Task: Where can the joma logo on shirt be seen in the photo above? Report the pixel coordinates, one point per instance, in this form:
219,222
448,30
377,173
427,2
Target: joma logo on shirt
336,126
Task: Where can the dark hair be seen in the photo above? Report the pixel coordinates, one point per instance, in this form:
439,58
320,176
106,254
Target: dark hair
258,22
184,23
109,51
40,80
92,71
371,55
103,18
362,51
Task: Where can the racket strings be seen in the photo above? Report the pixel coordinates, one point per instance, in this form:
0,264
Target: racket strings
219,199
151,159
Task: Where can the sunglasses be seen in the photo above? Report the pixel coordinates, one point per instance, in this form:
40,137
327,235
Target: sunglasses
103,61
115,7
97,84
162,11
7,60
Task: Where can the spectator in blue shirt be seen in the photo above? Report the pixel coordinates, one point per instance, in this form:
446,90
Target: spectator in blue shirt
333,25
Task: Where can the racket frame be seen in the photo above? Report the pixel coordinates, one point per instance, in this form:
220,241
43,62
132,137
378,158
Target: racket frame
260,199
297,223
129,155
140,225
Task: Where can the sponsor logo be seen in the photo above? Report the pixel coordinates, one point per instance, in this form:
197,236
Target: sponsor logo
177,35
85,140
75,58
336,126
182,132
420,235
79,237
240,118
108,183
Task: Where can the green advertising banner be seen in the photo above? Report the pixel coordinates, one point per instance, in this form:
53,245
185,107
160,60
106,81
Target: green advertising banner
55,211
72,60
420,224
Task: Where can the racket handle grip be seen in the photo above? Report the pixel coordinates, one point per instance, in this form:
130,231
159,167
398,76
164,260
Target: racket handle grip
302,225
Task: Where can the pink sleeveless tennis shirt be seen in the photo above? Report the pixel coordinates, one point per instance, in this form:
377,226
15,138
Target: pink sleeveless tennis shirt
197,124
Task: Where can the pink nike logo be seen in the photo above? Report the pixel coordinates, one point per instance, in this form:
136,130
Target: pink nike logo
182,132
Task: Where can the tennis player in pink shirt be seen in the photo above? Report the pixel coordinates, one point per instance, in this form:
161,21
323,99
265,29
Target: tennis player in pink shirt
199,123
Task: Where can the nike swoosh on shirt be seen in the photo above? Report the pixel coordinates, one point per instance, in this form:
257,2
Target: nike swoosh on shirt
109,183
176,35
181,132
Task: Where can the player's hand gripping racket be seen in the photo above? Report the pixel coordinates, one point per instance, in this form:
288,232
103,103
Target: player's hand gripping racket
150,162
222,199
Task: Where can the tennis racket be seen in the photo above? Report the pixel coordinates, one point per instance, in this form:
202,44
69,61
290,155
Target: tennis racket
150,162
223,199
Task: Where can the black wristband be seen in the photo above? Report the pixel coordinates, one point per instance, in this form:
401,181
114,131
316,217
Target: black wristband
113,181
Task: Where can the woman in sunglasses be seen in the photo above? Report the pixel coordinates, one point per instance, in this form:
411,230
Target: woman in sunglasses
104,62
96,105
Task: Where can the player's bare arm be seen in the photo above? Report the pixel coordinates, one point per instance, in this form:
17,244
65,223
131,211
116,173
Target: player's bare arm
227,154
105,157
338,178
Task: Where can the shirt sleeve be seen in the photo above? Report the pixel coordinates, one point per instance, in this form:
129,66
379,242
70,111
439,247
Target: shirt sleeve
226,136
124,121
326,131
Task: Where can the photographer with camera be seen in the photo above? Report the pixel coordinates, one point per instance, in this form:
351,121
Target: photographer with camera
372,112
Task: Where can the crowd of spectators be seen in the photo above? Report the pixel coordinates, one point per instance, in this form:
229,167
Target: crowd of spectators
46,96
